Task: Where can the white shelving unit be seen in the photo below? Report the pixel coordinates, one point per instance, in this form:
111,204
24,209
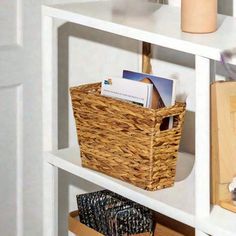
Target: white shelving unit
188,201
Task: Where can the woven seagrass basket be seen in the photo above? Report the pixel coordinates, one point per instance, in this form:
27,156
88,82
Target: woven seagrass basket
124,140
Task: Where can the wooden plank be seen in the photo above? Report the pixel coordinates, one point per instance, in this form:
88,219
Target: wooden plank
224,129
223,139
161,230
214,149
228,205
168,227
146,58
76,227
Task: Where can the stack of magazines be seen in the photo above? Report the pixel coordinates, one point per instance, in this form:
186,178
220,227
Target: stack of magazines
113,215
146,90
143,89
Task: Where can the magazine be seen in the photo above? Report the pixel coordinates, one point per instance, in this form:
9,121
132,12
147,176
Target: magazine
128,90
163,89
163,92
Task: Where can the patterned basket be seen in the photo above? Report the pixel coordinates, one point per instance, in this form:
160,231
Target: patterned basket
124,140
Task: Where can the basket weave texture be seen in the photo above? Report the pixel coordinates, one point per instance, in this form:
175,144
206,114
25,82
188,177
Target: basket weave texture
124,140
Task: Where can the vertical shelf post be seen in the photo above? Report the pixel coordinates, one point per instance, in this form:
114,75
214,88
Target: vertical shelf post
234,8
50,172
49,86
205,73
50,200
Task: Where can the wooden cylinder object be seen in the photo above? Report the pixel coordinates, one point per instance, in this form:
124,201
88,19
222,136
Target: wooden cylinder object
199,16
146,58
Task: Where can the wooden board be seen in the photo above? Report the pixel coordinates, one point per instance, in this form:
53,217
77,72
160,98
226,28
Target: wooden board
223,141
228,205
167,226
80,229
161,230
146,58
76,227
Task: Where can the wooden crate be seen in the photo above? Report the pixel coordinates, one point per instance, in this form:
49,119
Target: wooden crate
76,227
161,229
223,141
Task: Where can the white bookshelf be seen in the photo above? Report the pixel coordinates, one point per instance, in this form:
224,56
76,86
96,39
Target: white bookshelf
188,201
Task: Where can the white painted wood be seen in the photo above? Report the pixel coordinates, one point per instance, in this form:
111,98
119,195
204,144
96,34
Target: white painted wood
176,202
50,207
21,127
202,136
49,87
50,198
19,169
174,3
153,27
11,146
11,23
8,22
220,222
19,23
234,8
99,15
200,233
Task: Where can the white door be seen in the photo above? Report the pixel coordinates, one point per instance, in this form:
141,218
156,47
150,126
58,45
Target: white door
20,119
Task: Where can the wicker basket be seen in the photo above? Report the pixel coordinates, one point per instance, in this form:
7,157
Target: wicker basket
124,140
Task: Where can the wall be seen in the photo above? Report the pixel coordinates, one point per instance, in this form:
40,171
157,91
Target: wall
87,56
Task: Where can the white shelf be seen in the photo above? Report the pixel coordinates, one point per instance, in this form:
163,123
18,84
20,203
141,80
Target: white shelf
188,200
176,202
220,222
158,24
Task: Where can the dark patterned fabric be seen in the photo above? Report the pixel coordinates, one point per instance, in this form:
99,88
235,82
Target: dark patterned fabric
113,215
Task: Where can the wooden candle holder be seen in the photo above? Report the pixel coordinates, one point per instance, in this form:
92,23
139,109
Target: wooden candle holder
199,16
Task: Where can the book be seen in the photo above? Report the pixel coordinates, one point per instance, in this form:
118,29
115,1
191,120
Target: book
163,88
163,94
128,90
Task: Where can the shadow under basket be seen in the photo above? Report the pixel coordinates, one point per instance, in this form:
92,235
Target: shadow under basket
124,140
79,229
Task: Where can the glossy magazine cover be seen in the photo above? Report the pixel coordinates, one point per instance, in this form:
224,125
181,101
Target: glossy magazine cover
164,93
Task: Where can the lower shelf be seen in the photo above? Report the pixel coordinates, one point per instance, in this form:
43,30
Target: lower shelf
176,202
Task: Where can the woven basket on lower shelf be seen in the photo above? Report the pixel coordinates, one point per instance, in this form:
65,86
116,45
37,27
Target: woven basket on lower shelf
124,140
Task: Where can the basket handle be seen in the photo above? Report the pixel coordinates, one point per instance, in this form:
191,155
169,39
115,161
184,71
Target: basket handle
174,119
